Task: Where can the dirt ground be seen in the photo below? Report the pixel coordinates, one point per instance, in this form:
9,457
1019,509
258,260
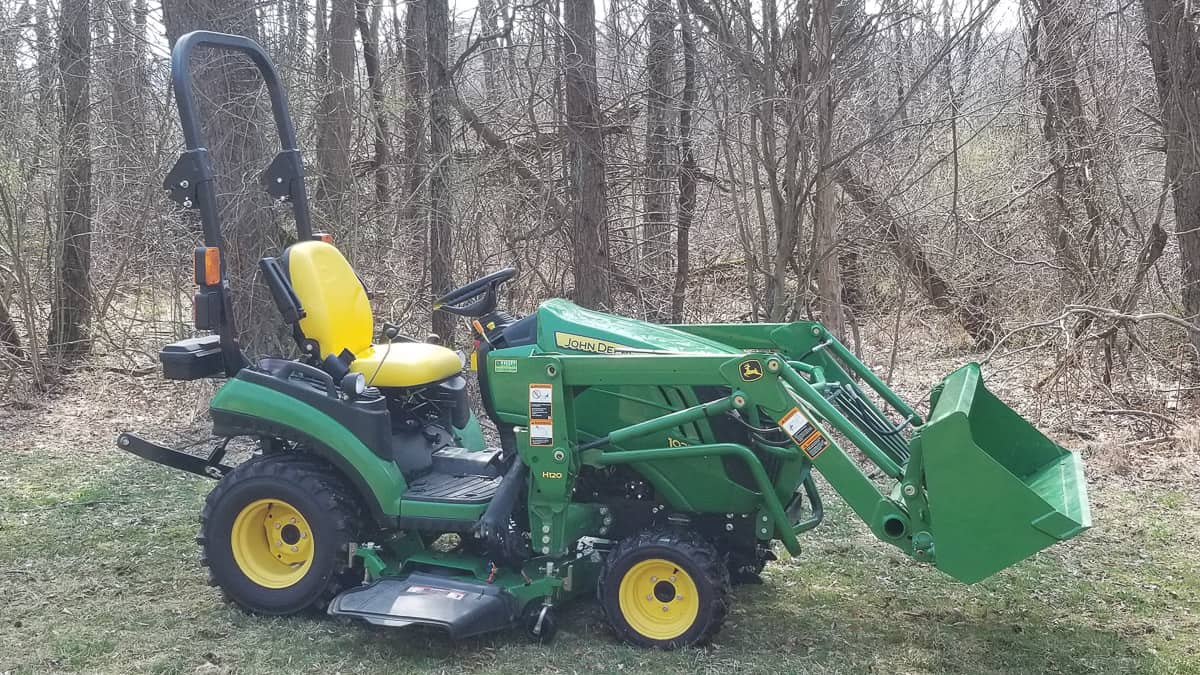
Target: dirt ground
99,571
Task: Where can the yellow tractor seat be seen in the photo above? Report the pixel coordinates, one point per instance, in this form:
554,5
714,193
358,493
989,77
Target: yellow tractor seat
405,364
337,318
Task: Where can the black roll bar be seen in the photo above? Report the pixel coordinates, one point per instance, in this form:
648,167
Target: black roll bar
190,182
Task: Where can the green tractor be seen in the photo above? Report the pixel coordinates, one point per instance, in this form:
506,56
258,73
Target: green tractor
647,465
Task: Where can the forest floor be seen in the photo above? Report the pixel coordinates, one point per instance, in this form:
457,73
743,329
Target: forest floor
99,573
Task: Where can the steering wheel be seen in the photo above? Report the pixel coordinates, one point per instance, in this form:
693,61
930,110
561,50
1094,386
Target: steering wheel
477,298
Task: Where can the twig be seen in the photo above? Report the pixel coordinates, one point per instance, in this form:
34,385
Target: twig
1141,413
1109,313
25,572
1151,441
132,372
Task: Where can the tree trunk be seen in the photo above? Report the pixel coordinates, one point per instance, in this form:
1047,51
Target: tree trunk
585,157
656,200
825,259
127,101
788,176
46,67
142,74
369,31
300,12
1070,141
976,320
441,228
415,148
487,20
9,338
233,120
321,39
1174,45
71,308
687,166
335,119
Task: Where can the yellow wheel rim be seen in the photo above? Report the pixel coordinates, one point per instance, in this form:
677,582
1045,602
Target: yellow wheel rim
272,543
658,599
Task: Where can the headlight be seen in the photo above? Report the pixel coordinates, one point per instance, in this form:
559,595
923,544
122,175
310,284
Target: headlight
354,384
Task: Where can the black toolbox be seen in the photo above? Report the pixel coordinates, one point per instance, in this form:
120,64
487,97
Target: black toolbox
193,358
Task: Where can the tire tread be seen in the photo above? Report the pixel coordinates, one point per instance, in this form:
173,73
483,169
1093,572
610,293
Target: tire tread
690,545
315,476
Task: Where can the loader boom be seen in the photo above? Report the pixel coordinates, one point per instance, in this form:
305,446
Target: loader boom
970,507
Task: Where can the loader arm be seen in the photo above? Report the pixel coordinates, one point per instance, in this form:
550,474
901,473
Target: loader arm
799,376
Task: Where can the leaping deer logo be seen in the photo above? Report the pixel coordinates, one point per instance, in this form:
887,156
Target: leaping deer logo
751,370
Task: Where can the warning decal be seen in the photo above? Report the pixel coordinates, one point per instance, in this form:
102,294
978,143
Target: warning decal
541,434
803,433
433,590
541,409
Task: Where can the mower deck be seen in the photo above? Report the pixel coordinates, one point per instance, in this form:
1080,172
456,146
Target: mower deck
462,607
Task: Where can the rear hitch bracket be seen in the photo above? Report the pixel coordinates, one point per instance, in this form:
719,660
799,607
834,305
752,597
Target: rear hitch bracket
210,467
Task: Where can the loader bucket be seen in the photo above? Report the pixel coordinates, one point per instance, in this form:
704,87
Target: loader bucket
998,490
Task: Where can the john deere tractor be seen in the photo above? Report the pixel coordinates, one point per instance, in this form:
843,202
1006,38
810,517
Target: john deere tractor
646,465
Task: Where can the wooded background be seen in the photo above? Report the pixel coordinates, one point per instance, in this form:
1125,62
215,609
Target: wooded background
1016,177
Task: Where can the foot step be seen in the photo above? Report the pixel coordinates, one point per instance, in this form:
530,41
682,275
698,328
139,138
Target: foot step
442,487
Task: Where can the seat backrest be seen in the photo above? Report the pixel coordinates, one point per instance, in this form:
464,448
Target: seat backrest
337,313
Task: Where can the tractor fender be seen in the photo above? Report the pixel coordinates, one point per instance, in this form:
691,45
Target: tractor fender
242,408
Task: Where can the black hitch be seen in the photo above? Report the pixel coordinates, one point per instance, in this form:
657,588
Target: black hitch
176,459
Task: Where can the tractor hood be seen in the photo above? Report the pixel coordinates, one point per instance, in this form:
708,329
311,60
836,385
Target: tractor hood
565,327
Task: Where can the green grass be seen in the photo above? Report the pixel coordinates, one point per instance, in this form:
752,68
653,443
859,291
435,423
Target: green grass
99,573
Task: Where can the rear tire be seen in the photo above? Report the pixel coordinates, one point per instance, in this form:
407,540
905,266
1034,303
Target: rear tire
665,588
274,534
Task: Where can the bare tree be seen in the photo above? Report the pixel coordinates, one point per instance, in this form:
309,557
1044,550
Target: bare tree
44,37
1054,35
367,15
72,291
1174,45
687,166
9,338
321,39
416,88
487,18
824,254
660,166
585,156
335,118
127,85
441,226
231,110
983,328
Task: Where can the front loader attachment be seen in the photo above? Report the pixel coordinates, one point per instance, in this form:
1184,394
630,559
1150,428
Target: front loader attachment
730,421
997,490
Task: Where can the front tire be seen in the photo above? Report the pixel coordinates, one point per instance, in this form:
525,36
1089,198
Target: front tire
665,588
274,534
